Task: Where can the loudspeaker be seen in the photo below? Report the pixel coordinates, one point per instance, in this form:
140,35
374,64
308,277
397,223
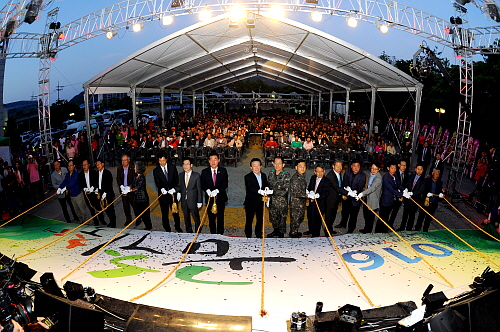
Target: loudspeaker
73,291
49,284
68,315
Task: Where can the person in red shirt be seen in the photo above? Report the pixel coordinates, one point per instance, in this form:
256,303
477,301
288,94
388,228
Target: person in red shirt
271,143
174,142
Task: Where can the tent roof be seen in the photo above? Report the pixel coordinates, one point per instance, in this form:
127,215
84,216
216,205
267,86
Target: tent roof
210,54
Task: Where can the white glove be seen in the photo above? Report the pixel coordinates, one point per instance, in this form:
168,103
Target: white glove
310,194
103,196
267,203
171,191
209,193
215,192
122,188
268,191
441,195
178,196
352,194
91,189
316,196
199,205
86,190
261,192
406,194
164,191
59,191
429,194
359,196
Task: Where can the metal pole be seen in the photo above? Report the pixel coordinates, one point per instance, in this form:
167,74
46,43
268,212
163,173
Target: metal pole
372,111
418,99
319,103
311,111
331,106
87,119
134,109
194,104
162,106
203,103
348,95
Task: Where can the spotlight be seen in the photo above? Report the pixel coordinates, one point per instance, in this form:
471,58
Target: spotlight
233,23
204,14
456,20
55,25
352,21
276,11
237,13
383,26
136,27
32,11
177,3
316,16
167,19
111,33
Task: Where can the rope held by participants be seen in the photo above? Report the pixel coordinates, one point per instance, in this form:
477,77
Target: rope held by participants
111,240
182,259
458,237
405,242
45,200
342,258
67,233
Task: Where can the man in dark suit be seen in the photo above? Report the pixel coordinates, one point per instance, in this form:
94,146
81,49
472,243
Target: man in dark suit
254,182
215,178
105,186
166,178
402,175
391,191
125,175
356,180
334,195
87,179
191,194
437,164
320,185
433,186
424,155
416,186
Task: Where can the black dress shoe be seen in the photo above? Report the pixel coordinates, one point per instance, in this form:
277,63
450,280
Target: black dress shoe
274,233
110,225
178,230
400,230
364,231
339,226
295,235
147,229
307,233
281,235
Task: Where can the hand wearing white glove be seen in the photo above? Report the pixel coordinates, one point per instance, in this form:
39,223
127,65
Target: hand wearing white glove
171,191
199,205
164,191
359,196
178,196
91,189
407,194
441,195
268,191
352,194
209,193
215,192
261,192
103,196
58,191
429,194
86,190
316,196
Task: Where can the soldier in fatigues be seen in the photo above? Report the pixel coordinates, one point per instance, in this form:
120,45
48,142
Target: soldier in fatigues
298,186
279,182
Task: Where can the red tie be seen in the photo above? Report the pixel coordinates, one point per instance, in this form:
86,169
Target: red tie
215,177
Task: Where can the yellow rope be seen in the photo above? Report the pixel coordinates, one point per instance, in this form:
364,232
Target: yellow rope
409,246
45,200
182,259
458,237
103,205
263,312
342,258
482,230
112,239
67,233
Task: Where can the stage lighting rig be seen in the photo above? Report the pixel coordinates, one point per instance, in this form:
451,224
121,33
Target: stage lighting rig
32,11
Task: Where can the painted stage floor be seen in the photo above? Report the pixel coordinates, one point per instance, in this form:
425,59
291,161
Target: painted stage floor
222,275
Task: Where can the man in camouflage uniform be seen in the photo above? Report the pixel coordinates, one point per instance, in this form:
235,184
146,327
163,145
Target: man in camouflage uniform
298,186
279,182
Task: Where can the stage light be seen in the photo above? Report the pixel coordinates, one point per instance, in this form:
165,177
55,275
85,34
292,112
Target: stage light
204,14
237,12
111,33
233,23
316,16
276,11
352,21
167,19
136,27
250,23
32,11
383,26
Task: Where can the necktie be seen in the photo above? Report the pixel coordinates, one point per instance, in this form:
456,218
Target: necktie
125,176
317,184
187,180
214,177
414,182
165,172
423,154
338,177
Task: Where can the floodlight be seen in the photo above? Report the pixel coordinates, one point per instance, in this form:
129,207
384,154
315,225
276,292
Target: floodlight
204,14
237,13
167,19
276,11
233,23
136,27
383,26
316,16
111,33
351,21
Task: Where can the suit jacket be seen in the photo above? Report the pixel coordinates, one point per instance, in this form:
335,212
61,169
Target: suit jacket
437,191
374,192
193,191
335,191
440,166
120,175
106,184
419,189
406,176
252,198
323,190
426,157
161,180
355,182
221,183
391,188
93,179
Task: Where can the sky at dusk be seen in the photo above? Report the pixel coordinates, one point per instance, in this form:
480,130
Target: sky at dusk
77,64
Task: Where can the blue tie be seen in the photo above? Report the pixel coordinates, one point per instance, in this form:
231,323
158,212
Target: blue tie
338,176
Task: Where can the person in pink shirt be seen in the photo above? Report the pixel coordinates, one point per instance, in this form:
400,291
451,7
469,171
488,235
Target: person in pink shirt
308,144
36,187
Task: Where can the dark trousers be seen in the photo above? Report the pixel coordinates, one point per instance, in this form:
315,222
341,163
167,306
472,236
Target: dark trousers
165,206
422,216
385,212
409,213
369,217
146,216
187,217
395,209
349,215
63,202
36,189
331,214
128,201
250,212
110,212
314,219
216,221
92,201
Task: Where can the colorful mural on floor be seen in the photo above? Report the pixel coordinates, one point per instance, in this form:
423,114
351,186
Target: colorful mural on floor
222,275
